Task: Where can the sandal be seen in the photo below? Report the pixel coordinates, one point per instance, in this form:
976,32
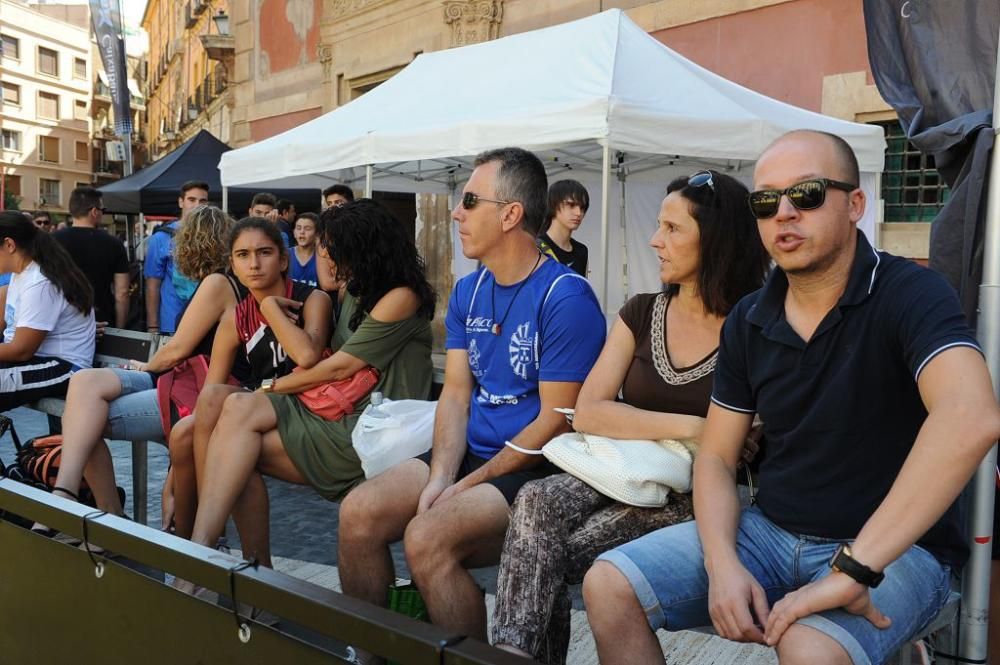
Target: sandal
46,531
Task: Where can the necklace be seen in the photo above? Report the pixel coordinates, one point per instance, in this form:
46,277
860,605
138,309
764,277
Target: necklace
498,325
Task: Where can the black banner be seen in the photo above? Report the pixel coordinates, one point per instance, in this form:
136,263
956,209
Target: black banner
106,17
934,62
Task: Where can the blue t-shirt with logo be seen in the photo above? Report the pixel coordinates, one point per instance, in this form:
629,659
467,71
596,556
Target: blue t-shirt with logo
551,329
160,265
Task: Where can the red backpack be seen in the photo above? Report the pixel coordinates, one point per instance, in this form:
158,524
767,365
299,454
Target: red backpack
177,390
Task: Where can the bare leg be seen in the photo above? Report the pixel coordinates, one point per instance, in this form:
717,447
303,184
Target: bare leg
84,423
620,627
373,516
185,485
233,452
467,530
251,512
167,501
806,645
206,415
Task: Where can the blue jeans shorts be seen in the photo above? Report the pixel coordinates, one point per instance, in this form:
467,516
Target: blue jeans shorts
666,568
135,414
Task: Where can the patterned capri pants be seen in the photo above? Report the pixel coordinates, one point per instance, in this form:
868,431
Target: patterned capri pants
558,528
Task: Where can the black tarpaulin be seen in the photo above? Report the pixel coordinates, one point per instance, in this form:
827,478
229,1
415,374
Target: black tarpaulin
934,62
155,189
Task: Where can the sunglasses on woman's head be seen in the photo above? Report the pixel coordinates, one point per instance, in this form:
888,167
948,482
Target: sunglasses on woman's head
470,200
700,179
805,195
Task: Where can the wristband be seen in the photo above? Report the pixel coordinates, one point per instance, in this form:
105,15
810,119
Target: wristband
523,451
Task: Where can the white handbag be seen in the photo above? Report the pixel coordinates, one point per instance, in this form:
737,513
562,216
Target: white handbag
635,472
393,432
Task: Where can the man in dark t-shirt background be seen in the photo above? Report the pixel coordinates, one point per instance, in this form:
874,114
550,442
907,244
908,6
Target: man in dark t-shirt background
100,255
567,206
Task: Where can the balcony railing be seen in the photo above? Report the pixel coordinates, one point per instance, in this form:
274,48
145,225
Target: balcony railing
210,89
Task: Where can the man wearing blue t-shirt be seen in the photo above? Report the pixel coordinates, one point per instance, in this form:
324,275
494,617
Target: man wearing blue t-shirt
522,333
165,299
877,407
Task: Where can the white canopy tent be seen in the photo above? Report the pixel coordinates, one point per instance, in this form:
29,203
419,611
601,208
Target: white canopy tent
596,98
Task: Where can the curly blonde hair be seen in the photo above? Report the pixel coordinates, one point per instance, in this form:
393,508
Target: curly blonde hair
200,247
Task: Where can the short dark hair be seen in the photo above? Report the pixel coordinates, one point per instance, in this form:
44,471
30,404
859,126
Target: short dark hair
81,201
284,205
733,259
39,214
194,184
313,217
343,190
263,198
520,177
562,191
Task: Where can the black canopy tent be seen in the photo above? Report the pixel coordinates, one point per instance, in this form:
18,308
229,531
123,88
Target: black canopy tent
154,190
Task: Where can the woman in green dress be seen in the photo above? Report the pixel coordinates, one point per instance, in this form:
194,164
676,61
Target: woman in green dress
384,324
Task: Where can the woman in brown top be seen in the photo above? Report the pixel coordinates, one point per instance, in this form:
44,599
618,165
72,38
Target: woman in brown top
660,355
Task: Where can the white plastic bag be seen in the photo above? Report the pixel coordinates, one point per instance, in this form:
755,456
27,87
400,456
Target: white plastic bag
393,432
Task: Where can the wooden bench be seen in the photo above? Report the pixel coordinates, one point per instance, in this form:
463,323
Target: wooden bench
115,349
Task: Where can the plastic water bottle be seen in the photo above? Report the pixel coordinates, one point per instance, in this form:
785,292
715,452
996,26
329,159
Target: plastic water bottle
374,404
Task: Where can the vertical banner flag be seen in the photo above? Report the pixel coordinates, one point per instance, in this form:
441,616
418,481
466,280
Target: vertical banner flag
106,17
934,61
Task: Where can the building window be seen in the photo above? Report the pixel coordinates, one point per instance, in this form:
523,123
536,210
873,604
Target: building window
82,151
912,188
11,94
48,61
48,105
12,184
48,149
48,192
79,68
11,140
11,47
80,109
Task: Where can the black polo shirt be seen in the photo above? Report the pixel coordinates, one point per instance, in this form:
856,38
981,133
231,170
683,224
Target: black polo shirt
842,411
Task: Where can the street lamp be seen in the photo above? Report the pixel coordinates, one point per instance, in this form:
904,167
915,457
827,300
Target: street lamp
221,22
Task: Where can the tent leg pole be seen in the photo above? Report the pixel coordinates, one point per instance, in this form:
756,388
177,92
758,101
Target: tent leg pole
621,223
225,199
976,578
368,181
605,187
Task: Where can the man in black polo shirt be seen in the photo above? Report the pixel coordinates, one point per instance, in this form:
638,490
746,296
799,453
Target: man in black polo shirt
877,407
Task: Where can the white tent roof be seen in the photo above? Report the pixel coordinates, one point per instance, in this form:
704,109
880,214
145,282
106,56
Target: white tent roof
562,91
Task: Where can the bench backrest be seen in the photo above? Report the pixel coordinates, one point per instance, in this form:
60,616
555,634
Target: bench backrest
119,346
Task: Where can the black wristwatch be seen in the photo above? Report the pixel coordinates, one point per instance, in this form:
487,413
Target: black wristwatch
843,561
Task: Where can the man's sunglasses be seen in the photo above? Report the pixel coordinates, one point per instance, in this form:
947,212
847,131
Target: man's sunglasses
103,210
43,222
805,195
470,200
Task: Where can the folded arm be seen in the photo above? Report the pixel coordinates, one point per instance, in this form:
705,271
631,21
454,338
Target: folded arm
597,412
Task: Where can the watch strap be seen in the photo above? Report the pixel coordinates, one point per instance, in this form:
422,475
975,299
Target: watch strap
844,562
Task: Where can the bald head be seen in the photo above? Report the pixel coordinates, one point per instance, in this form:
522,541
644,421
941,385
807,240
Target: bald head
842,158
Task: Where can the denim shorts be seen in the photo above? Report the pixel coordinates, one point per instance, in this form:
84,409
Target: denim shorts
135,414
666,569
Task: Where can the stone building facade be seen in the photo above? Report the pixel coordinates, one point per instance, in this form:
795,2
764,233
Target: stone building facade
45,72
190,61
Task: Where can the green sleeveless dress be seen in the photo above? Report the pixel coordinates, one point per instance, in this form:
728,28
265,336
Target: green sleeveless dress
322,450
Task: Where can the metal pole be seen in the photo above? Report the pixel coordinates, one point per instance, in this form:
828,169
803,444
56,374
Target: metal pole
622,174
368,181
127,166
975,615
605,186
225,199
